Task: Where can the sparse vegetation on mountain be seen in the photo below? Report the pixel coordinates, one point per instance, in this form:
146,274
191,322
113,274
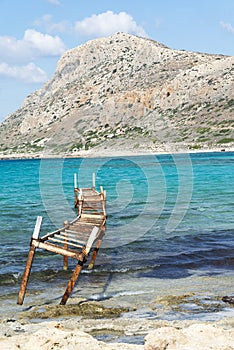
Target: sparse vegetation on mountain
125,92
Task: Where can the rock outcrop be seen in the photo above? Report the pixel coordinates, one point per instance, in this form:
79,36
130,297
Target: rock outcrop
127,92
67,335
197,336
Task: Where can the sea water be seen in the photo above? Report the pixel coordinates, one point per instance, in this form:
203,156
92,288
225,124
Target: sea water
169,231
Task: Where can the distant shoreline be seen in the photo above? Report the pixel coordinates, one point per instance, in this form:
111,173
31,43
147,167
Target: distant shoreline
108,153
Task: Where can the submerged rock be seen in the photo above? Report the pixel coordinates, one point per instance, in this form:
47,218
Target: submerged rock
228,299
85,309
188,303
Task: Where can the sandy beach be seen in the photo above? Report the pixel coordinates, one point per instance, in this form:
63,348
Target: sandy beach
99,152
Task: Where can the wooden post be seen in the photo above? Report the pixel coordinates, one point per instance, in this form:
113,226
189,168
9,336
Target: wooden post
91,239
80,203
37,228
73,279
75,190
65,257
29,262
75,180
26,275
82,259
96,249
104,202
93,181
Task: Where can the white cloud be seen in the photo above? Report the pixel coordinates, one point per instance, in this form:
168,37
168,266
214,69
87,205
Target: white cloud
47,23
108,23
34,44
29,73
227,26
44,44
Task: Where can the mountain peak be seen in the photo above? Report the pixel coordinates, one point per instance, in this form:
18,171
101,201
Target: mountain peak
130,91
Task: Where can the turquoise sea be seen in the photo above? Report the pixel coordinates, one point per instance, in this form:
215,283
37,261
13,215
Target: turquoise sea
170,231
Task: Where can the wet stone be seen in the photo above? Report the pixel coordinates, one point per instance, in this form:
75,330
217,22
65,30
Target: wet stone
93,310
189,303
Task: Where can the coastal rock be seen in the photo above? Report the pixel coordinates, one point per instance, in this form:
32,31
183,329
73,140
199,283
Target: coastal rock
124,92
194,337
228,299
162,335
57,338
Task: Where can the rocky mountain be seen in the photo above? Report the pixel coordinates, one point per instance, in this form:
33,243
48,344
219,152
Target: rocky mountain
124,92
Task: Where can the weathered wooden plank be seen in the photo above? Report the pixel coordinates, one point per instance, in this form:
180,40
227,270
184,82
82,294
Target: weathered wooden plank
58,250
68,243
89,190
94,216
95,205
82,224
68,239
91,219
72,232
82,233
93,198
45,237
92,210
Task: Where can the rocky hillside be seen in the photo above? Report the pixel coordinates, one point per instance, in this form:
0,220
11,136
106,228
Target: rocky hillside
127,93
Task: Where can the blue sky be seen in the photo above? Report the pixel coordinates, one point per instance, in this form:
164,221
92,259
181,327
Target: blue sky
35,33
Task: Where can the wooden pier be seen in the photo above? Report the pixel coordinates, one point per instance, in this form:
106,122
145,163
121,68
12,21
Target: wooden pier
75,239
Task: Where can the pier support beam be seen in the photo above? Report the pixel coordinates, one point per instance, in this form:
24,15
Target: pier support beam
73,278
31,254
26,274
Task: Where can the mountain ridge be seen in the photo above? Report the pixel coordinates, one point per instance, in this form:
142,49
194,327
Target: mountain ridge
126,92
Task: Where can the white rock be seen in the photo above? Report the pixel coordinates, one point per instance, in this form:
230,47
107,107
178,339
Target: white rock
194,337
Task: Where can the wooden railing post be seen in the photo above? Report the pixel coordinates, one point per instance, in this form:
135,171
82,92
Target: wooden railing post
29,262
65,257
96,249
75,180
93,181
80,202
